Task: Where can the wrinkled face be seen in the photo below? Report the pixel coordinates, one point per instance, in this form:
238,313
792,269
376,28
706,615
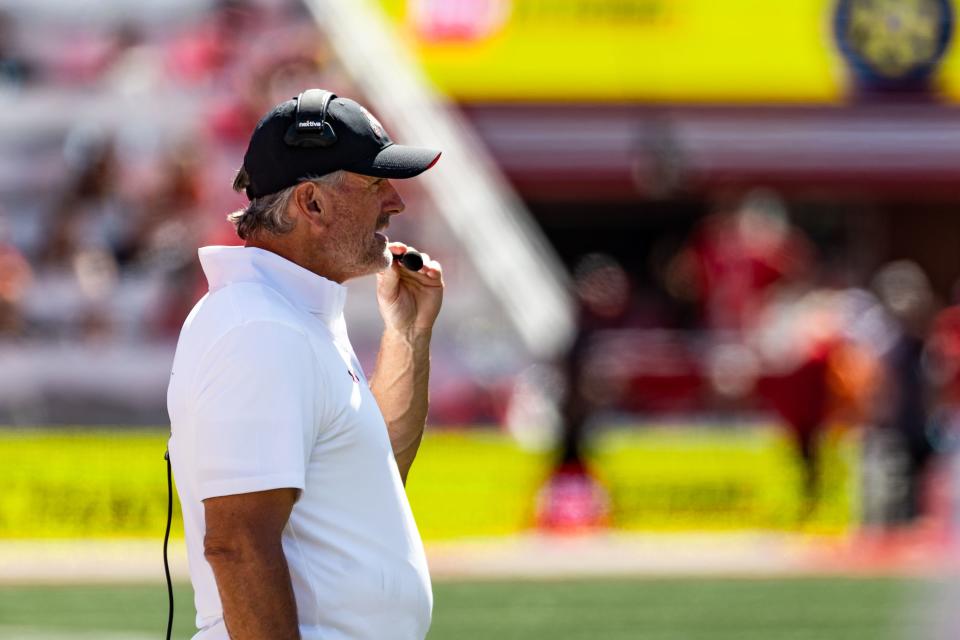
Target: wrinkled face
358,211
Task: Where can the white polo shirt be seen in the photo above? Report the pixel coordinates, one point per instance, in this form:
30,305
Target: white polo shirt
265,393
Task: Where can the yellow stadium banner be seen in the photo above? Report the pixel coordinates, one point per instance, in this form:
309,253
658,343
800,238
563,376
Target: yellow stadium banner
734,51
83,483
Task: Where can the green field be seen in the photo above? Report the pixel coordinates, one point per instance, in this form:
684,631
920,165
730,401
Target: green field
647,609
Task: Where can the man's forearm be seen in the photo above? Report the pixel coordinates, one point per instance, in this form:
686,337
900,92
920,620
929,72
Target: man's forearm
255,591
400,383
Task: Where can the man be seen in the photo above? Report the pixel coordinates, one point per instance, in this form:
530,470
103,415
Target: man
289,467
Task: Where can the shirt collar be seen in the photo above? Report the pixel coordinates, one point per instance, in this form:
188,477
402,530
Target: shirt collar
305,289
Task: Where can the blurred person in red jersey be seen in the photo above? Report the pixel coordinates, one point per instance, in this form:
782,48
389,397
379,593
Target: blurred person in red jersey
733,258
943,367
749,269
15,276
820,353
572,499
795,349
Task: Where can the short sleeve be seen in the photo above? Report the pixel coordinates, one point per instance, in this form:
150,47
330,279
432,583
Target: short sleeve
253,410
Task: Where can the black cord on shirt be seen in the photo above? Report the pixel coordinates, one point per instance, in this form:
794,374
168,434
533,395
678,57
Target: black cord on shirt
166,540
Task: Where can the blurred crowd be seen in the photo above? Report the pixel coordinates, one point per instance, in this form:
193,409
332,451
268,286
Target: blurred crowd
120,142
105,249
779,329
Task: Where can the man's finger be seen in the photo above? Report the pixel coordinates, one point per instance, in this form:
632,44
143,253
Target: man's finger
428,275
433,268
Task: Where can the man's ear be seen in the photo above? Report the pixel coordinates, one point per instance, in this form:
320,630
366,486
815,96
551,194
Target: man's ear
308,200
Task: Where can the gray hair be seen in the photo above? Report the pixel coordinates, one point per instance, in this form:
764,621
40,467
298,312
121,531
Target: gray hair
269,213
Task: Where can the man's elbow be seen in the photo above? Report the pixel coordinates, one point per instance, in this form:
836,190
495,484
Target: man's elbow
246,528
219,550
241,547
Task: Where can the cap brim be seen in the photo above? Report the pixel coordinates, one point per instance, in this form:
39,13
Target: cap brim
397,161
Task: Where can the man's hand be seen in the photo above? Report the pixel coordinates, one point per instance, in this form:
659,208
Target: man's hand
409,303
410,300
242,545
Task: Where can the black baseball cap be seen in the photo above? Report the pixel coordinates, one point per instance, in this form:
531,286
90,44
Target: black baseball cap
318,133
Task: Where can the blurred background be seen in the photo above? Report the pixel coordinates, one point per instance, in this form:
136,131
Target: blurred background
698,369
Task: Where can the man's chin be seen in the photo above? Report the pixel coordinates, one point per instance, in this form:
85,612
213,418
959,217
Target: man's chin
386,259
378,264
375,263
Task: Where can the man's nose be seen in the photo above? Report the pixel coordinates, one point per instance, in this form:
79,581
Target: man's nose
394,203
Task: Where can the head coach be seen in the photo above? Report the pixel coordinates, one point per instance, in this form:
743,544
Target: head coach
290,467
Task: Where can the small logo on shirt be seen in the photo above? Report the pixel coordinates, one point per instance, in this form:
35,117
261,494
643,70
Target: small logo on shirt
353,376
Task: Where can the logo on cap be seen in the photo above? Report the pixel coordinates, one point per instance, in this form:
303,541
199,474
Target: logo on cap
374,123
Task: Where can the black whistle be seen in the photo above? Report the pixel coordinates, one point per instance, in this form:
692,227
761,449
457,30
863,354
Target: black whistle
411,260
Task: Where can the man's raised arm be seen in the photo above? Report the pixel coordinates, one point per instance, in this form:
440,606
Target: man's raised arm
409,303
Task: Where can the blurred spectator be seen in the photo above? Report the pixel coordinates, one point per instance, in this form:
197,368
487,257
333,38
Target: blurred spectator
130,64
604,296
903,417
171,211
15,70
90,214
572,498
90,236
15,276
118,241
152,119
173,227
